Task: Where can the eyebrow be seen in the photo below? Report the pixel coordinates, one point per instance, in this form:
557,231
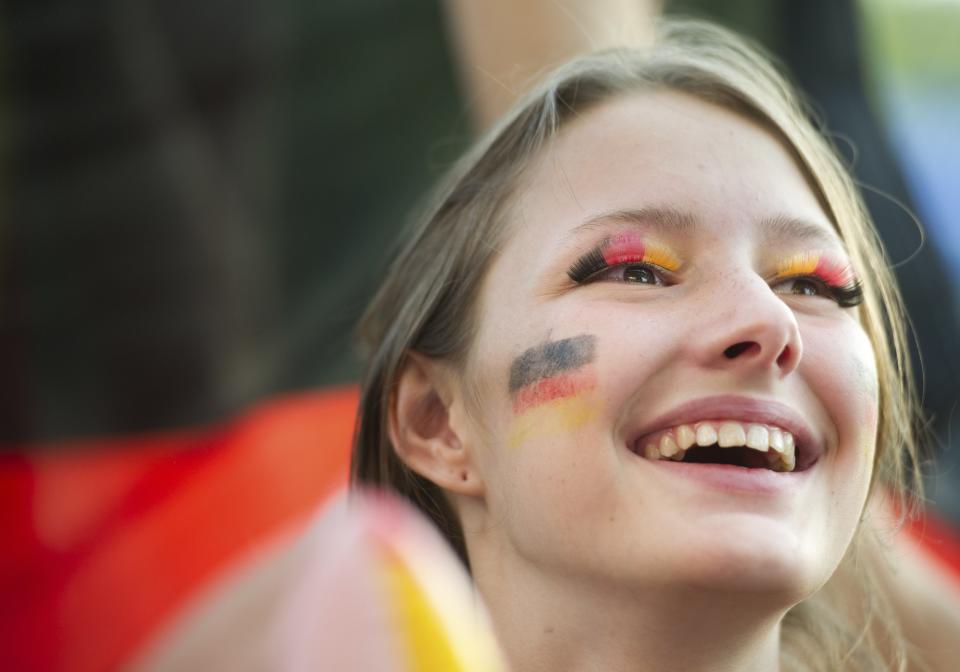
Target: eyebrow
655,217
776,227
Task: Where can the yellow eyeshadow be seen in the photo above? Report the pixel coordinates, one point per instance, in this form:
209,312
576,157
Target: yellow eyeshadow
661,256
798,264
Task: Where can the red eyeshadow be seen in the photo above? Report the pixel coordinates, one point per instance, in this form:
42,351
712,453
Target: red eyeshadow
554,387
623,249
832,272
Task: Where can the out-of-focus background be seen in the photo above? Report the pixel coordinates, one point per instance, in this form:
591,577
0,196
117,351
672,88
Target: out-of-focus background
199,198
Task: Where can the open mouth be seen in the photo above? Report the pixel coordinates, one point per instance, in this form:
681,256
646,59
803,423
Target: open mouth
730,442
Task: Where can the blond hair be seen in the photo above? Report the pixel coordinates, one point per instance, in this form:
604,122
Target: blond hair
427,304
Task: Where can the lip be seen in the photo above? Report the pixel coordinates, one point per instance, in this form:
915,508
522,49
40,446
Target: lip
742,409
731,478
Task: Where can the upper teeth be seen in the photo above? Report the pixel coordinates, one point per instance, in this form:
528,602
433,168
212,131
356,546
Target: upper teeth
673,443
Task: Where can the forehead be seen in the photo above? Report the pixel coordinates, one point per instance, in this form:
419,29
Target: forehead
668,152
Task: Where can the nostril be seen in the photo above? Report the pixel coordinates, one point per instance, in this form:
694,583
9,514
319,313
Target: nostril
784,356
738,349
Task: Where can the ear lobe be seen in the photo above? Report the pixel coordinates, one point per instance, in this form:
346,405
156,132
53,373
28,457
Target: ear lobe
420,428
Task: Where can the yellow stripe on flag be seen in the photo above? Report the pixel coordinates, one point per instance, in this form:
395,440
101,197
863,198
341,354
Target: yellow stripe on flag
424,637
551,418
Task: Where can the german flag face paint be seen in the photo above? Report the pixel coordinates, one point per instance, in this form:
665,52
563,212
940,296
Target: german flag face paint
551,386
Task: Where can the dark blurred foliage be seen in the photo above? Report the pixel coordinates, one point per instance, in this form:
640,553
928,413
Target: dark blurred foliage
199,197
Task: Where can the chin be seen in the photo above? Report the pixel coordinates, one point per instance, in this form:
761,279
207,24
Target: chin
764,563
785,583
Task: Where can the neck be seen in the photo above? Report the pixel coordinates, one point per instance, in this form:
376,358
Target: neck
554,622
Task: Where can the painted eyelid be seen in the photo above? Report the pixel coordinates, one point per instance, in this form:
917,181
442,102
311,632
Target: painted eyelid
666,275
833,269
783,277
623,250
649,252
827,284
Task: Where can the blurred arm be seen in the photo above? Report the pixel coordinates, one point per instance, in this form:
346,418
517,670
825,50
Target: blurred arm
501,45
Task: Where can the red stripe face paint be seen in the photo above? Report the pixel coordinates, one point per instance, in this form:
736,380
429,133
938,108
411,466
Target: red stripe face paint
554,387
550,384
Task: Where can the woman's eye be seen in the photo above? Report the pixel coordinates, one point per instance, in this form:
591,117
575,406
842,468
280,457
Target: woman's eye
801,287
637,274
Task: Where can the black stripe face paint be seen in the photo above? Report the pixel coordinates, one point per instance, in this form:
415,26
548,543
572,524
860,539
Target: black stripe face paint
551,358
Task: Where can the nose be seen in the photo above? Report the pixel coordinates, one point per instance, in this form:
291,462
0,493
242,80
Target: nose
745,326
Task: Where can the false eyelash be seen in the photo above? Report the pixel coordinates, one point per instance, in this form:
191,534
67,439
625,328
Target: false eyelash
588,265
845,296
849,295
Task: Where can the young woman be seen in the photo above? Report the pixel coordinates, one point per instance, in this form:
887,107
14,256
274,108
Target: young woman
643,364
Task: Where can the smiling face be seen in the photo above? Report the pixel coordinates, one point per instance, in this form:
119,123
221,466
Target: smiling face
670,279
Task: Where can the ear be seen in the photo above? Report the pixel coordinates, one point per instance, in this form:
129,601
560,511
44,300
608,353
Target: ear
421,430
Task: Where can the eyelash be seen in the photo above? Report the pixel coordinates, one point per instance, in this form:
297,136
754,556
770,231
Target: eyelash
588,267
846,296
592,264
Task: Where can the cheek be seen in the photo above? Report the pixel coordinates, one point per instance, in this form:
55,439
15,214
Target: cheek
643,362
538,395
542,463
866,371
841,370
552,388
560,405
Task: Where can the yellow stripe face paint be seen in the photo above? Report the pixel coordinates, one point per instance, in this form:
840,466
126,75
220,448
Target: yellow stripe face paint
554,417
